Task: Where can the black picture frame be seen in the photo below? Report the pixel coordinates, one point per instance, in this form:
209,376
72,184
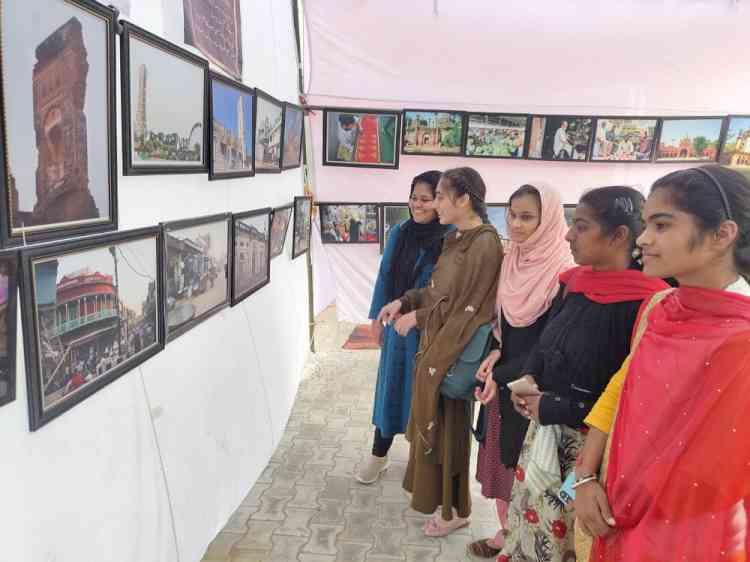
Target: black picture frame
324,205
237,295
260,94
657,128
461,114
39,415
129,31
203,283
11,236
382,209
9,262
213,174
657,141
551,123
502,228
467,126
293,107
396,114
724,137
290,208
300,225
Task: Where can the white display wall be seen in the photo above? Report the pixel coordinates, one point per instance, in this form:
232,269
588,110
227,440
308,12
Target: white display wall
150,468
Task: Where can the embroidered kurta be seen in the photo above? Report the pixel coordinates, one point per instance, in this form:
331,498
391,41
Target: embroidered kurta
459,298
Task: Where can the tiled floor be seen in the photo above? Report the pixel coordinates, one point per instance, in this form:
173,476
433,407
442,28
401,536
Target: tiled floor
306,506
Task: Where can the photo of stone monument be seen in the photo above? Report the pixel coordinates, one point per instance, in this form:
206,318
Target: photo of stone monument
232,130
214,27
56,116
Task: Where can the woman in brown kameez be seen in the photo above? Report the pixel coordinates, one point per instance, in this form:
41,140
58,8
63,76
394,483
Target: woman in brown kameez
459,298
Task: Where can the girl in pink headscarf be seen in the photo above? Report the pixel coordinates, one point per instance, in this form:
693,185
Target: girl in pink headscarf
529,283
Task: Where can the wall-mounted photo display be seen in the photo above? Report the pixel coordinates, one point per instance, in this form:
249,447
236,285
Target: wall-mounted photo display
195,262
214,27
57,133
269,131
439,133
570,212
302,225
560,137
92,312
8,290
348,223
251,254
496,135
364,138
280,219
232,128
294,134
735,150
391,215
689,139
498,215
621,139
164,106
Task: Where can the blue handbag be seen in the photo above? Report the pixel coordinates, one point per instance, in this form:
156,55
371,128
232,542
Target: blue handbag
459,382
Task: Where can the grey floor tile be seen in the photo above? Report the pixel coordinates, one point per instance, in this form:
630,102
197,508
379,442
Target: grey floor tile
221,546
363,500
421,553
238,521
258,536
305,497
337,488
352,552
387,544
252,499
330,513
296,522
286,549
323,539
358,528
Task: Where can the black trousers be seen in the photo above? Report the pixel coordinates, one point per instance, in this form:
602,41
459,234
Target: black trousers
380,444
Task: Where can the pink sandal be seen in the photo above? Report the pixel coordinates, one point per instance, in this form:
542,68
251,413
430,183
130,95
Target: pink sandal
436,528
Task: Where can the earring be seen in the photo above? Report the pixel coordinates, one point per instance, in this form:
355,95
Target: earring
636,254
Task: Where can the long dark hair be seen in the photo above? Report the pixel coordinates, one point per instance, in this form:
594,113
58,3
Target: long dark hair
713,194
467,181
615,206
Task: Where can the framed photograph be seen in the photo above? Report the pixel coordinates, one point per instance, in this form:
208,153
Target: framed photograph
214,27
232,128
348,223
735,149
560,137
623,139
302,225
392,214
8,326
269,125
294,134
439,133
164,106
280,219
689,139
496,135
570,210
364,138
195,262
251,258
58,126
498,215
92,312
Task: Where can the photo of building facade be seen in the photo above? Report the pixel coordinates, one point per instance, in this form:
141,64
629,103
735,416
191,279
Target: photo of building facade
268,127
251,259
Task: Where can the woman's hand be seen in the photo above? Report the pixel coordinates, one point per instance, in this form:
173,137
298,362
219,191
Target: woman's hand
406,323
376,329
485,369
389,312
487,394
527,405
592,509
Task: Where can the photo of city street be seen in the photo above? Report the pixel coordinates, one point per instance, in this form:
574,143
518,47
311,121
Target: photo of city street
251,254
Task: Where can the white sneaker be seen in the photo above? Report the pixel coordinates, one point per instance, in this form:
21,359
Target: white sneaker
371,469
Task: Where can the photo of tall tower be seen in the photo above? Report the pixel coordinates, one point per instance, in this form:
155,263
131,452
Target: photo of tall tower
140,112
232,130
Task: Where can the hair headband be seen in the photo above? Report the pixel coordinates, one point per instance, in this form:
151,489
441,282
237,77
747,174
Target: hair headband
720,189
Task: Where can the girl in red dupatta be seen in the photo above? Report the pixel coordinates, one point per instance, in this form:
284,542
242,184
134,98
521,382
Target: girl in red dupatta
678,470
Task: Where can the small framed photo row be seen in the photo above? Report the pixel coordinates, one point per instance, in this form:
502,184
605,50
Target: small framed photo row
195,263
302,225
362,138
269,125
232,128
433,132
496,135
560,137
349,223
280,219
689,139
391,215
498,215
251,255
294,134
164,106
8,326
57,133
624,139
735,150
92,312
